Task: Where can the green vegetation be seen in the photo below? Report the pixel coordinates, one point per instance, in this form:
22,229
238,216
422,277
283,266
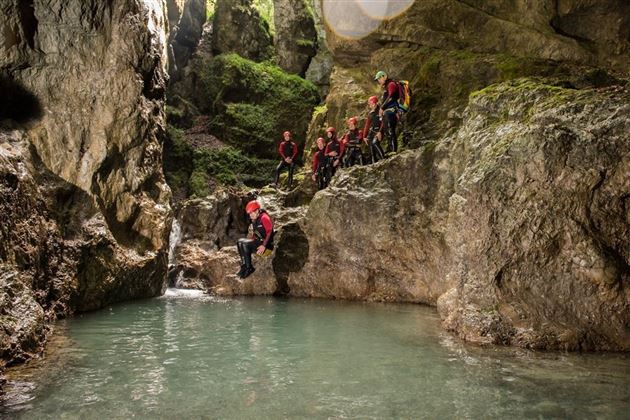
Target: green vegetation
253,103
210,5
265,8
192,172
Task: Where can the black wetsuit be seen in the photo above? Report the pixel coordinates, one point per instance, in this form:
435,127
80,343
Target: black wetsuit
333,146
287,149
261,236
353,153
373,126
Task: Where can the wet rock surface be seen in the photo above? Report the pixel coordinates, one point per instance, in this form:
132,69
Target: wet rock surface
515,226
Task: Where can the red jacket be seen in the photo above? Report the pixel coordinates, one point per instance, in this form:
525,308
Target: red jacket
287,149
374,122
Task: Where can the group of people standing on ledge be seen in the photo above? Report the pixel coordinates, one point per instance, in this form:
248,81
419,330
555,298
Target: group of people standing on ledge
382,119
332,152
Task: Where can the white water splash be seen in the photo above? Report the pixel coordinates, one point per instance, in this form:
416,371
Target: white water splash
174,239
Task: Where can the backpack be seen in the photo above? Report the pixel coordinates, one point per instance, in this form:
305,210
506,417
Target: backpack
404,95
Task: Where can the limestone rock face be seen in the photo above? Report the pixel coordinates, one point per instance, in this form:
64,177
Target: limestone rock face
85,209
515,226
295,37
239,28
589,32
186,21
321,64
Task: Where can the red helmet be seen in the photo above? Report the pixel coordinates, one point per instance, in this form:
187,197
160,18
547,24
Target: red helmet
286,133
252,206
331,130
373,100
353,120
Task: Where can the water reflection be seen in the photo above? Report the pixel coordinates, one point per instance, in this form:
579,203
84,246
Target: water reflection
193,357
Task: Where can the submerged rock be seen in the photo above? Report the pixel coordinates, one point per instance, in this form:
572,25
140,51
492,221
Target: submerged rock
515,226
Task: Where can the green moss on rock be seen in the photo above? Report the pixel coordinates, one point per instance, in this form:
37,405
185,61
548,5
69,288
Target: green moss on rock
251,104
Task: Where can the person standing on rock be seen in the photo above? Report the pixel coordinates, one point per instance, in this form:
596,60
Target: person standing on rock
389,108
333,152
352,144
288,151
372,131
319,164
261,240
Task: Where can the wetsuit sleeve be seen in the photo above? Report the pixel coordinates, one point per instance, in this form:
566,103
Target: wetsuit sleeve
316,161
392,88
342,148
268,225
366,127
281,150
295,150
327,149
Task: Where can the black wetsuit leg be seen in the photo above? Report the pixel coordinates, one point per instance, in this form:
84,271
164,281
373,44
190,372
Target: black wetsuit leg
376,150
291,169
391,119
279,169
246,247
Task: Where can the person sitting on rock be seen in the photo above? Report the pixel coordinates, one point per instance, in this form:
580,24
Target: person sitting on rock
352,144
389,108
372,131
319,165
288,151
334,152
261,240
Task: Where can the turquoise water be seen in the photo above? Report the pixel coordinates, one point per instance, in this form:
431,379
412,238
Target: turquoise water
189,356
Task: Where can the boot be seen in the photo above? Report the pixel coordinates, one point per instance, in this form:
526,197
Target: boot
241,271
248,271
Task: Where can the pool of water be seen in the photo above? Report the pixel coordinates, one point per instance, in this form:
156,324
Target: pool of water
187,355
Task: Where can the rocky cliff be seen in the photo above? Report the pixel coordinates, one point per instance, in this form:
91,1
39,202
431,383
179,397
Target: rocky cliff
85,209
515,226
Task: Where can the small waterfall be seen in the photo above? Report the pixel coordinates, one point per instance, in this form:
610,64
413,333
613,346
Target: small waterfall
173,240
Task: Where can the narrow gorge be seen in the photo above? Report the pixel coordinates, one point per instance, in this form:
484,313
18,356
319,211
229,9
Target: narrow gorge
507,209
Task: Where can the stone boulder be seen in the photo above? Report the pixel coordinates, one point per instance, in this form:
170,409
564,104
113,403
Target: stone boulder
186,20
85,210
515,226
239,28
295,36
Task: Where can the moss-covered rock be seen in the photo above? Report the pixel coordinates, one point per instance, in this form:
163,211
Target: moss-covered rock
195,171
251,104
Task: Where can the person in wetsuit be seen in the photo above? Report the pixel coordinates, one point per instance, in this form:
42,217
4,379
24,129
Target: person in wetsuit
372,131
319,164
352,144
260,241
334,152
288,151
389,108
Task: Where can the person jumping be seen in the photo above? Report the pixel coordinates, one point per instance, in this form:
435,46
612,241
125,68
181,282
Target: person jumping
288,151
260,241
